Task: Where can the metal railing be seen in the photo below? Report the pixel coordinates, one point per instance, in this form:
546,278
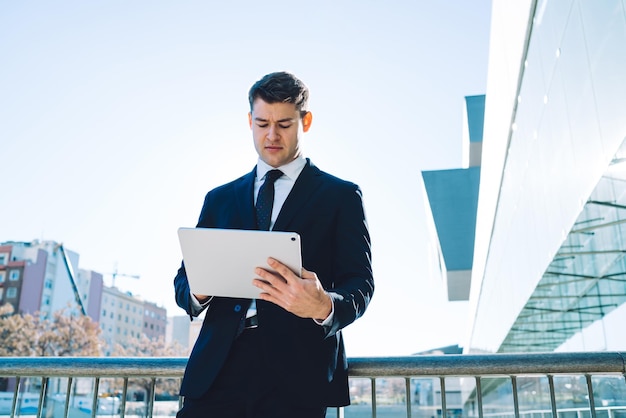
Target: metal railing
475,377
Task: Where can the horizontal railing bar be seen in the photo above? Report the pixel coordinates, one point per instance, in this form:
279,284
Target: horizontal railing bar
439,365
489,364
93,366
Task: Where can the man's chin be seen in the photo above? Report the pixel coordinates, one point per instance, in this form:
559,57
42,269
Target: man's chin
275,161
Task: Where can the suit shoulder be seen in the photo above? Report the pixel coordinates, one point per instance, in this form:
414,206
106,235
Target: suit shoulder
227,187
337,181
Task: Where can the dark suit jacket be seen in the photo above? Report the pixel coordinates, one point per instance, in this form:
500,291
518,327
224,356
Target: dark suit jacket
309,359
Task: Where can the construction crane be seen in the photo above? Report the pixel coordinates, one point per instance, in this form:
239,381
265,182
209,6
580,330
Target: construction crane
116,273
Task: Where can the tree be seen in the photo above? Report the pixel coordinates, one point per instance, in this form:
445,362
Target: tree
16,333
66,334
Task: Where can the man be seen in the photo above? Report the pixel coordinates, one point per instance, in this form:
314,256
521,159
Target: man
282,355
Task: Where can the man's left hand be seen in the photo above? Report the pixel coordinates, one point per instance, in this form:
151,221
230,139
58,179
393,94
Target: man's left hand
302,296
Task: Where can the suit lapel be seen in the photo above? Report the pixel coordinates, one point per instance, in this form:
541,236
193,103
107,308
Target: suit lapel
244,192
305,186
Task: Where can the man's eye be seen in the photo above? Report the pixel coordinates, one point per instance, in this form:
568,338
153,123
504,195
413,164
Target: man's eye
284,126
262,125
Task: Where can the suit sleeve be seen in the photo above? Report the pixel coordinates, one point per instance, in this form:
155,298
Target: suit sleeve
181,284
353,285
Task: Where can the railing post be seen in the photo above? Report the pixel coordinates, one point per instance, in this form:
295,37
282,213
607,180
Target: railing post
479,397
515,398
592,401
94,402
68,397
42,395
444,407
16,393
373,379
552,396
123,400
407,397
152,397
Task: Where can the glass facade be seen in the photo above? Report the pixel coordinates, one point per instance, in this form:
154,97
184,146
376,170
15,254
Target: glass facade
549,263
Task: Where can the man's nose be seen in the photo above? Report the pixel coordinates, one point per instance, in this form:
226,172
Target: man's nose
272,133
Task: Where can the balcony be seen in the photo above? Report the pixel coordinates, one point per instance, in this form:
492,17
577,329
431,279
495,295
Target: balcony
536,385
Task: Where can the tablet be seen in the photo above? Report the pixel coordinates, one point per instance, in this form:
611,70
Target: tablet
221,262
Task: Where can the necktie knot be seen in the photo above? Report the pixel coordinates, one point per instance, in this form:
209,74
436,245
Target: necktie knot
272,176
265,200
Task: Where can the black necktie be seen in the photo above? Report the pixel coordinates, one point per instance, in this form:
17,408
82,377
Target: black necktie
265,200
264,203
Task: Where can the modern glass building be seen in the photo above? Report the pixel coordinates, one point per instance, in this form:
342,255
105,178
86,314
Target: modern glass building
548,270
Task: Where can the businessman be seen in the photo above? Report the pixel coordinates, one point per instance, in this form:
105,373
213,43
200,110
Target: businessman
281,355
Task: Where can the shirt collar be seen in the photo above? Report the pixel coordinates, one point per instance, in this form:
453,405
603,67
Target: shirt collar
291,170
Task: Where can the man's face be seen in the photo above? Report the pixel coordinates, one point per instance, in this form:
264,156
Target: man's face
276,131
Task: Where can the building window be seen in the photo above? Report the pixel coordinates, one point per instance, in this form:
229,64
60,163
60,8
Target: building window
14,275
4,259
3,275
11,292
1,293
104,312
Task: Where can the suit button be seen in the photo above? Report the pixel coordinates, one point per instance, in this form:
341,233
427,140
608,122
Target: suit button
237,308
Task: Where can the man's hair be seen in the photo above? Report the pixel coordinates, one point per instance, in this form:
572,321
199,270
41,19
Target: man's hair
281,87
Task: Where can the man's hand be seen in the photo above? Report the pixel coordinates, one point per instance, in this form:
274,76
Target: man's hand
202,298
302,296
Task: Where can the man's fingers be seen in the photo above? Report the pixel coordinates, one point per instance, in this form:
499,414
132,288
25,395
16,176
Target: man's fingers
304,296
284,271
306,274
268,282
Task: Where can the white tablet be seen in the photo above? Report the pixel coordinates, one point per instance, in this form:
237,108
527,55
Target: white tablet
221,262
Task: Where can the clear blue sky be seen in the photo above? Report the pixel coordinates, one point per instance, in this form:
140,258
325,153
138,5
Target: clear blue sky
117,117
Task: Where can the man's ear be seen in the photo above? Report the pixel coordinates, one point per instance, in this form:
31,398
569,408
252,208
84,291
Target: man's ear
250,119
307,119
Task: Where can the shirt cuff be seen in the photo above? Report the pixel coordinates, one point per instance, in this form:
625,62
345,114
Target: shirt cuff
329,319
196,306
